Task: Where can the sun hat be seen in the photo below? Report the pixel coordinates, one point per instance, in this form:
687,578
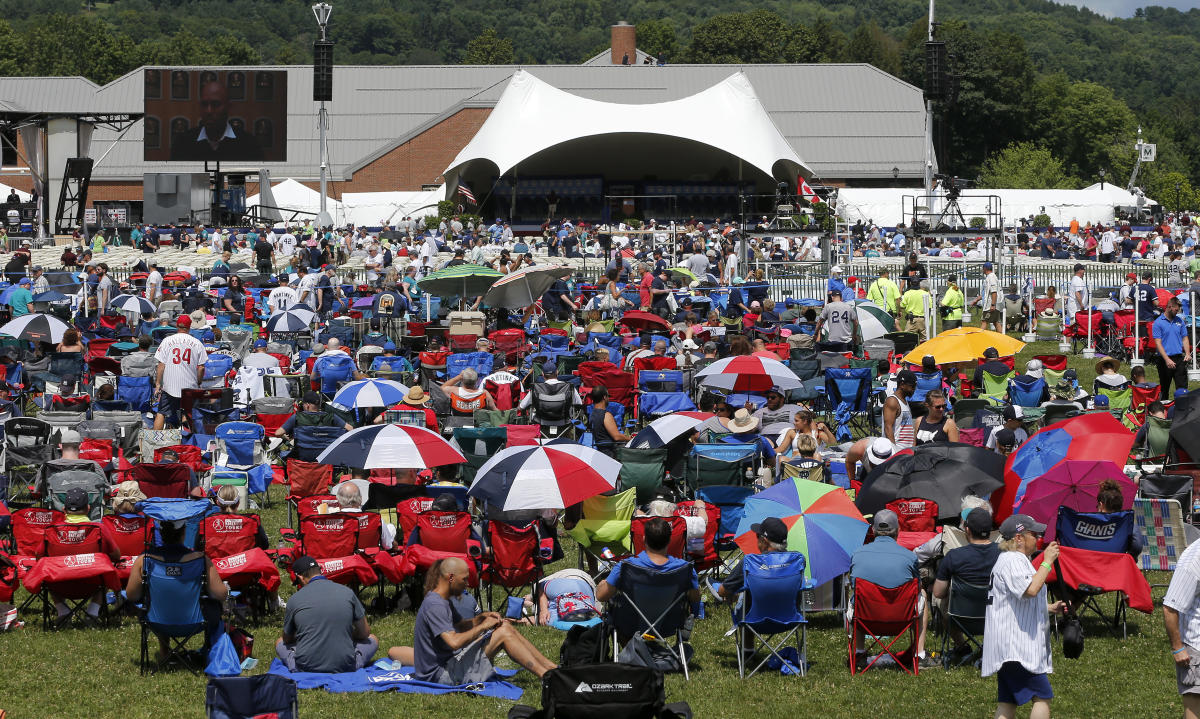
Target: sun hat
199,320
880,451
416,396
743,421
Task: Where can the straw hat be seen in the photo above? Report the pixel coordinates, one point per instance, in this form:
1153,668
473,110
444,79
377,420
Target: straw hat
416,396
743,421
1108,362
199,320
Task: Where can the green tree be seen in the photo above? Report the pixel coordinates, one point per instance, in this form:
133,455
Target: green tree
870,44
759,36
488,48
831,41
1088,127
78,45
658,38
1024,165
1173,191
10,45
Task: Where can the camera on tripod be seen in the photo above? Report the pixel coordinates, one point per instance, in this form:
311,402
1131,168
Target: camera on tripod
953,185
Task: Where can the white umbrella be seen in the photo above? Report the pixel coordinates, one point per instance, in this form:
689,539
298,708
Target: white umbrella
35,327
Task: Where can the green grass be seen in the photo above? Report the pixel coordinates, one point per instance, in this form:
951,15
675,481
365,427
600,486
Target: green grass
76,673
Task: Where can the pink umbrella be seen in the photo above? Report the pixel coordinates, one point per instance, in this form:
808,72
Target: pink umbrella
1073,483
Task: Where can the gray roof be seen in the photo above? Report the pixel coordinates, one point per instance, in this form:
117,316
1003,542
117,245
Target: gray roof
846,121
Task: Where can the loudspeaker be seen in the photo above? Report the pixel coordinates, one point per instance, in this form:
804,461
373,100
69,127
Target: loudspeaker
78,168
935,70
322,71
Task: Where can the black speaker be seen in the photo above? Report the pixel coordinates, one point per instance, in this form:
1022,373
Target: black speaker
78,168
322,71
935,70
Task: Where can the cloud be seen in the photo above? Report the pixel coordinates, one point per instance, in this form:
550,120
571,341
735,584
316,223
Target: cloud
1125,8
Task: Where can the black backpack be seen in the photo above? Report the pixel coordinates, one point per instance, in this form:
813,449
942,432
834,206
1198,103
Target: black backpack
584,645
603,691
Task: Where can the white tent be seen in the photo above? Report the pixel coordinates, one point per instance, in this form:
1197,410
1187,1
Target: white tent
889,206
531,116
293,195
373,209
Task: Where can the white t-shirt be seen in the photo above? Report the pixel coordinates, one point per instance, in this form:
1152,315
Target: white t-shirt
307,290
1183,595
991,284
1017,625
181,354
154,282
281,298
377,260
1077,285
286,244
1108,243
1019,433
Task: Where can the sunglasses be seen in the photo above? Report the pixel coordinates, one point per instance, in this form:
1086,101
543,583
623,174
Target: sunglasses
937,406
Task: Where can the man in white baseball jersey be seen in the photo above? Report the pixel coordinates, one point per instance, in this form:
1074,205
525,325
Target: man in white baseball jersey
282,297
181,359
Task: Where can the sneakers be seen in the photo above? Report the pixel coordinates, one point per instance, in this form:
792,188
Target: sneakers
929,661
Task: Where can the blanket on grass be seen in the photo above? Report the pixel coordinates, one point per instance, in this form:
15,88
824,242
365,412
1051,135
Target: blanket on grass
386,675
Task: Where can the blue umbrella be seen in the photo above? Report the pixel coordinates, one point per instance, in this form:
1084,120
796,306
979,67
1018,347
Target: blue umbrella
50,296
7,293
370,393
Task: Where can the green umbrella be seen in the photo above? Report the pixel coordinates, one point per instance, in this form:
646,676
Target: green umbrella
459,281
873,320
685,273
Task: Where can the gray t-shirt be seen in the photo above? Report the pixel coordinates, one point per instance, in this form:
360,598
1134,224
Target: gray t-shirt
435,617
838,320
698,264
321,617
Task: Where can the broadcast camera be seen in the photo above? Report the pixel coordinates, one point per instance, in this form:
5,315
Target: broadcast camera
953,185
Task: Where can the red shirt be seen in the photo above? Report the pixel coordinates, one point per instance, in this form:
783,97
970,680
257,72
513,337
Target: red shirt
644,289
430,416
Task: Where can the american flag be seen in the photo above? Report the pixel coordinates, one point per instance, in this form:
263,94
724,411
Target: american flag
466,193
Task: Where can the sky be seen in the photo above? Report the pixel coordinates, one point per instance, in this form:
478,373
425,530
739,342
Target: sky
1125,8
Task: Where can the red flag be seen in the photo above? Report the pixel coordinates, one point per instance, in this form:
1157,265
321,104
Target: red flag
806,192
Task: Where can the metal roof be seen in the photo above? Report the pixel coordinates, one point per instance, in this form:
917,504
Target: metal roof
848,121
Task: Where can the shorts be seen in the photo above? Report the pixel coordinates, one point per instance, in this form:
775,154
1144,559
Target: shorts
991,316
169,408
1187,678
1017,685
468,666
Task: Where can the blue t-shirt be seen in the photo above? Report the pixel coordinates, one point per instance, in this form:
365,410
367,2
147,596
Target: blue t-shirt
643,560
1147,296
883,563
1171,332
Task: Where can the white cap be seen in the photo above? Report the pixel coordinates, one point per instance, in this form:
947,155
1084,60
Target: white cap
837,269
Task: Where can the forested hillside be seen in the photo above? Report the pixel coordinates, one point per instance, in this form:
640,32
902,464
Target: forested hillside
1047,94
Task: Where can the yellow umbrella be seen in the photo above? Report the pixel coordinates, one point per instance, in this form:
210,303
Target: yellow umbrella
964,344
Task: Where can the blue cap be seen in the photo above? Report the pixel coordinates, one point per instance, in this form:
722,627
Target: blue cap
549,367
1100,400
25,281
1179,392
987,265
789,302
260,343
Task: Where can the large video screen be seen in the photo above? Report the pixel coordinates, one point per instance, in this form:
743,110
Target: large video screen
215,115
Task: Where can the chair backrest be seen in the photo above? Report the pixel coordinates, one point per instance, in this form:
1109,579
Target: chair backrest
774,582
996,384
333,369
552,402
642,469
515,553
967,602
311,440
883,610
407,511
1057,412
481,362
1026,391
66,539
916,514
658,380
444,531
128,533
168,480
228,534
965,409
611,508
1158,436
851,386
926,383
329,535
1098,531
370,529
240,442
307,478
173,593
677,547
1161,522
701,550
1118,399
310,506
29,527
660,596
480,441
261,695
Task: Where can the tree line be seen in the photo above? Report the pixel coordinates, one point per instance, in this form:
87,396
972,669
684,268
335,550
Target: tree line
1047,95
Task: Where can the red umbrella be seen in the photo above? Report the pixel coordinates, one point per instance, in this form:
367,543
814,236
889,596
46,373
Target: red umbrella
1072,483
636,321
748,373
1164,296
1093,436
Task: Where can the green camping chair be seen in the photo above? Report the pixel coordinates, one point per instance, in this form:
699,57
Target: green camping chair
605,524
477,445
995,387
1119,400
642,470
492,418
1158,435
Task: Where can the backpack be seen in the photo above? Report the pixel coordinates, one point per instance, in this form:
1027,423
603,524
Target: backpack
603,691
575,607
584,645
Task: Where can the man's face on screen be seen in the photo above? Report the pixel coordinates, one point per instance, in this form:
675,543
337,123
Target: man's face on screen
214,109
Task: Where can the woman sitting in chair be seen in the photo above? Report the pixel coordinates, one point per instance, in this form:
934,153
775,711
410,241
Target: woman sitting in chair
803,424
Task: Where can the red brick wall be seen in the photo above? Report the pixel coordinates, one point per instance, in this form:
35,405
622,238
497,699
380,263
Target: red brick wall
421,159
624,42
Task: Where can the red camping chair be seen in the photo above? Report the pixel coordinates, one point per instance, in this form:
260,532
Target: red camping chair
306,479
522,435
226,534
169,481
29,527
703,556
98,347
677,547
507,395
462,343
73,579
66,539
1142,396
332,539
310,506
128,536
100,451
918,520
75,403
515,559
447,532
880,613
407,512
509,341
1056,363
187,454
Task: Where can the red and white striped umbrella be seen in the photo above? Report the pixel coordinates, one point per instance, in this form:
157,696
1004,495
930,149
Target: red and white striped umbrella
544,477
748,373
394,446
664,430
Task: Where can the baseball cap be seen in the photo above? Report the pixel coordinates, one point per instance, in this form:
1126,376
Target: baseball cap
1100,400
1005,437
75,500
906,376
885,520
1131,275
771,528
987,265
69,436
835,292
260,343
25,281
991,353
1078,266
183,321
312,397
979,521
1012,412
549,367
303,564
1018,523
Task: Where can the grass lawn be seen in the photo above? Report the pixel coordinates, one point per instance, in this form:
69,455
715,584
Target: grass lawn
76,673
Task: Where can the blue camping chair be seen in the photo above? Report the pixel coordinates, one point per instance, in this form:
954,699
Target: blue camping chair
137,391
652,602
554,344
1100,532
215,369
926,383
661,392
239,447
771,607
848,393
481,362
311,441
333,369
1026,391
394,363
172,607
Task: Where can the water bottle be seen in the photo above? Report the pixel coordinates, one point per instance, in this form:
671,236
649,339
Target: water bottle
110,597
607,553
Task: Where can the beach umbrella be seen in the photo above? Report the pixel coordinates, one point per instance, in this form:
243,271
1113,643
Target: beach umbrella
35,327
370,393
681,273
522,288
638,321
748,373
51,296
290,320
664,430
459,281
363,302
130,303
823,525
1093,436
964,345
873,320
392,446
1072,483
552,476
942,472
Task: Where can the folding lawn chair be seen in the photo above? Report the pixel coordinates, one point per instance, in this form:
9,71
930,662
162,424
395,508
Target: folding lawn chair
239,446
659,393
605,524
478,445
1161,523
643,470
251,697
731,501
772,607
168,480
129,534
966,609
676,546
1026,391
514,560
171,608
653,603
305,479
1108,532
848,393
26,448
881,612
721,463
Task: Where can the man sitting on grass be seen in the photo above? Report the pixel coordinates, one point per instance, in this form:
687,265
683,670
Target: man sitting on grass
324,627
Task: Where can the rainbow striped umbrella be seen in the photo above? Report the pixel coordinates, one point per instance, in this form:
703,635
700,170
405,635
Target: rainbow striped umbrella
823,525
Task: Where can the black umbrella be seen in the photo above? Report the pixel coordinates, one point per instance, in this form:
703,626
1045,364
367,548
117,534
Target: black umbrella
943,472
1185,427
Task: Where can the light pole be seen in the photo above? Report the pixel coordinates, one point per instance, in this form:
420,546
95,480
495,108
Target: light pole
1178,197
322,11
1102,178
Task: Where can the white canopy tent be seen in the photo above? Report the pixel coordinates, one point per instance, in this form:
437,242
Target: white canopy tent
889,206
528,119
292,195
372,209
